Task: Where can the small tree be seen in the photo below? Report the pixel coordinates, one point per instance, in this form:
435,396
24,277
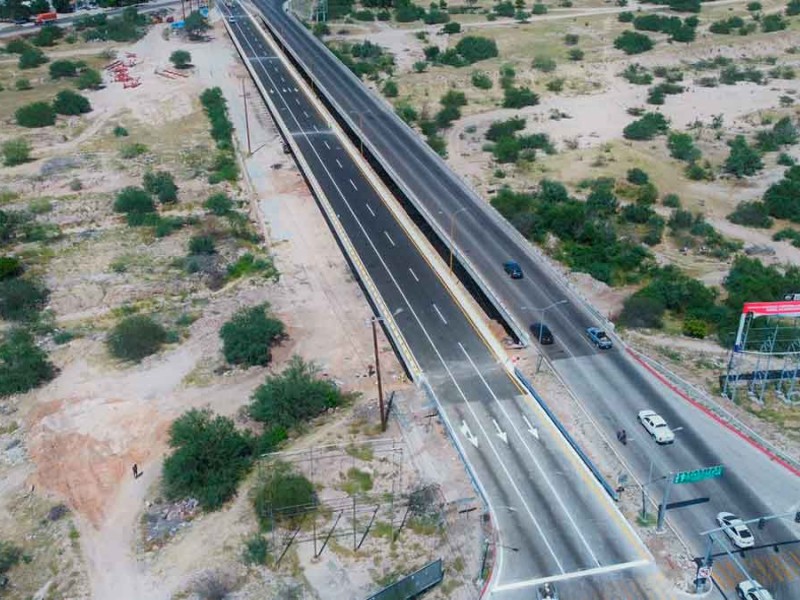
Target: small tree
474,48
181,59
633,42
248,337
482,81
452,27
21,299
743,160
31,58
218,204
16,152
68,102
637,177
209,458
195,25
202,244
89,79
162,185
63,68
10,267
681,146
135,337
133,200
752,214
23,366
36,114
278,493
642,311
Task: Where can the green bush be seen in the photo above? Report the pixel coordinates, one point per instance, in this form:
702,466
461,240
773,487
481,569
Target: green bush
774,22
647,127
16,152
637,74
637,177
248,264
218,204
544,64
63,68
482,81
571,39
48,35
162,185
519,97
743,160
575,54
36,114
133,200
17,46
23,366
671,201
625,17
10,555
21,299
390,89
135,337
202,244
120,131
632,42
208,459
501,129
217,112
89,79
68,102
23,84
132,150
642,312
681,146
782,199
248,337
31,58
277,495
793,8
756,6
752,214
294,396
452,27
10,267
256,550
181,59
695,328
475,48
539,9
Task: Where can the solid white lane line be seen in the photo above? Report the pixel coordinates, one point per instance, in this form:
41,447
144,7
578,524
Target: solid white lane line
369,208
388,237
542,472
518,585
436,351
338,162
414,275
354,185
438,312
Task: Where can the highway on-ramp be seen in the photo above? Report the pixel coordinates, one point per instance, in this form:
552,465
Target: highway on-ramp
553,519
609,384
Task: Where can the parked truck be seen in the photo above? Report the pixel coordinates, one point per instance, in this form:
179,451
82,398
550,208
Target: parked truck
44,18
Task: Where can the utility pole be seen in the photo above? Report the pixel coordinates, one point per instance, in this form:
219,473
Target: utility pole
662,508
378,371
246,120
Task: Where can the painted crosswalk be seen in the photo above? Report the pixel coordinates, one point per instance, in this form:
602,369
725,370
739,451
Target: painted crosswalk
769,566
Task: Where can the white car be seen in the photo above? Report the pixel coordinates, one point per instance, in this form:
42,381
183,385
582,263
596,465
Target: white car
656,426
752,590
736,530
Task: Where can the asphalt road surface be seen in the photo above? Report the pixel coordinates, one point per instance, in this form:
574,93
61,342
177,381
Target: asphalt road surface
609,383
553,518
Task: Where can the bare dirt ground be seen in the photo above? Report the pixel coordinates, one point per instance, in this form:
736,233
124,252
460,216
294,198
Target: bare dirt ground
78,437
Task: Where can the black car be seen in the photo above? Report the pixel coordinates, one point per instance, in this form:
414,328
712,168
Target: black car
542,333
512,268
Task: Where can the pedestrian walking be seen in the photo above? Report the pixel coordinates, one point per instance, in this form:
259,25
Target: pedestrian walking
135,471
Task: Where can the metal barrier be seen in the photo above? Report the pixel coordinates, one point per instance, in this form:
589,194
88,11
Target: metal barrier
413,585
586,460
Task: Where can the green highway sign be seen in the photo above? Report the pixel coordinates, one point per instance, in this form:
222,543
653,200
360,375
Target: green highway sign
698,475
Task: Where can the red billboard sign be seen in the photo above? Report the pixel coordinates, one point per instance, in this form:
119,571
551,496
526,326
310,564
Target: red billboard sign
765,309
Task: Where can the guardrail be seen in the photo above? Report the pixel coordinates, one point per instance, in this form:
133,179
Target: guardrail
413,585
610,490
715,410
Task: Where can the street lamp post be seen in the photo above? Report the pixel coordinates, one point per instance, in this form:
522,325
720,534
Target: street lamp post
246,119
541,326
453,233
374,321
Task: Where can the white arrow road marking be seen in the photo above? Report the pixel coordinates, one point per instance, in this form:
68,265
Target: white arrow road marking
468,434
533,431
500,433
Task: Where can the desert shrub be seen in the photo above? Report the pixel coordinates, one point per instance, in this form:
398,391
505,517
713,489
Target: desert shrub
35,114
695,328
406,112
482,80
420,66
68,102
17,46
390,89
31,58
773,22
752,214
218,204
575,54
642,312
742,160
120,131
382,15
519,97
539,9
202,244
782,199
48,35
10,555
544,64
224,167
22,84
63,68
16,152
571,39
647,127
445,117
250,334
504,9
436,17
21,299
294,396
754,6
783,133
208,459
637,177
162,185
256,550
437,143
792,8
636,213
501,129
181,59
23,366
681,146
135,337
625,17
217,112
659,92
132,150
278,493
555,85
637,74
475,48
786,160
654,230
632,42
133,200
696,172
89,79
10,267
671,201
647,194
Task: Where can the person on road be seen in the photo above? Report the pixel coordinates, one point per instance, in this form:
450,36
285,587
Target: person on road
622,436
